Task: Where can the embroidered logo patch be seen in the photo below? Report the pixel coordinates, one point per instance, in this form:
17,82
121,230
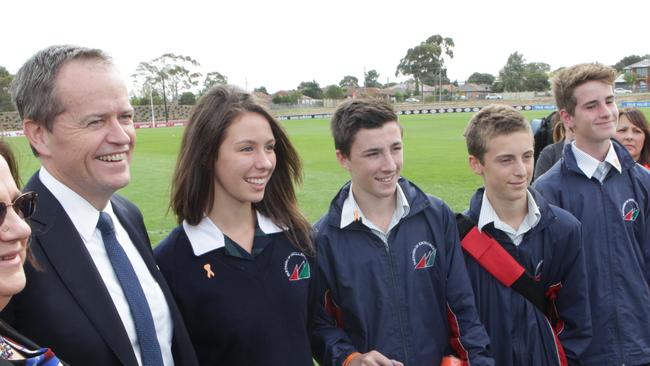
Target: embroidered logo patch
630,210
423,255
297,267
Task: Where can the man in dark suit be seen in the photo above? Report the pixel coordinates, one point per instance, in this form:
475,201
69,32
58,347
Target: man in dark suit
98,298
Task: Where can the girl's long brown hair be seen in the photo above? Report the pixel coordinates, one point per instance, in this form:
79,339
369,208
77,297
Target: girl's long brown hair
192,191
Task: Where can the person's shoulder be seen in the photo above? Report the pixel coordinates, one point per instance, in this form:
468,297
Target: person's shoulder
122,203
171,243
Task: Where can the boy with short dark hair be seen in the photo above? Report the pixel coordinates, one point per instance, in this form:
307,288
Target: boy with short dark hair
393,290
599,183
516,226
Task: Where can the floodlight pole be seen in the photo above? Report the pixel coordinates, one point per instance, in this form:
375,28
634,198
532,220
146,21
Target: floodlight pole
162,77
153,116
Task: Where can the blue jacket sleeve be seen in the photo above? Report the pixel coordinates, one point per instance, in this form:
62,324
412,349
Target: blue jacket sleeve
468,337
572,302
330,344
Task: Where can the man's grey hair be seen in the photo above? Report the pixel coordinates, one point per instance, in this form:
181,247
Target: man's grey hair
32,89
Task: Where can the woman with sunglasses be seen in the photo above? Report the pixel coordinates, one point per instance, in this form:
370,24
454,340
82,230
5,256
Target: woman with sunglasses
15,209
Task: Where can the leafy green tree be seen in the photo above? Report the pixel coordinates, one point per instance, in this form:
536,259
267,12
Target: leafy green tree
146,99
425,62
213,78
349,80
261,89
512,74
479,78
370,79
311,89
334,92
630,79
629,60
169,72
536,76
187,98
291,98
5,97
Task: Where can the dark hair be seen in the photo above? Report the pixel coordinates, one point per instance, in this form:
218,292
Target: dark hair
193,182
637,118
8,155
355,114
492,121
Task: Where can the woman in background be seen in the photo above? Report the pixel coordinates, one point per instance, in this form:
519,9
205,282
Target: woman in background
238,264
633,133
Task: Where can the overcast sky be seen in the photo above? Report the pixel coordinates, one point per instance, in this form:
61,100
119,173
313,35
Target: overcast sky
279,43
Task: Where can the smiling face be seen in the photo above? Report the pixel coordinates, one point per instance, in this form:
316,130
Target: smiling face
14,233
630,136
507,168
245,161
90,145
595,116
374,162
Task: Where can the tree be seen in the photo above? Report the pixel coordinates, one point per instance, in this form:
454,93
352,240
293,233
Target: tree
261,89
370,79
629,60
334,92
630,79
187,98
425,62
5,97
512,74
348,81
169,71
536,76
282,98
479,78
311,89
213,78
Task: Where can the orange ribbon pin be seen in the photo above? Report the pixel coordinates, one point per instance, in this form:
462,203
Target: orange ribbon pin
208,270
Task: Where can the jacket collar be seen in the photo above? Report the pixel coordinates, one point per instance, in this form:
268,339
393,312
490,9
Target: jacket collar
624,158
546,215
415,198
352,212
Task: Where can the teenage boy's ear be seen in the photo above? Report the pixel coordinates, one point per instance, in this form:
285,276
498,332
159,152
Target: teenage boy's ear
344,161
476,165
567,119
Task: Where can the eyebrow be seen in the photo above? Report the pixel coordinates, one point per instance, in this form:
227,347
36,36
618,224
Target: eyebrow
241,142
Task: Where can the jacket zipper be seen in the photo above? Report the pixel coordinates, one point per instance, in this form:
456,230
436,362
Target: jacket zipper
396,300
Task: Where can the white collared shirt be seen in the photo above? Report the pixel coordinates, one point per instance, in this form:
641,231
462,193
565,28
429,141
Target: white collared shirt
206,236
352,212
85,217
488,215
588,164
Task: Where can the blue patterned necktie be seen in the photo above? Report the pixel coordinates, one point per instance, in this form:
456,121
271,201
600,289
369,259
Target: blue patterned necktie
140,311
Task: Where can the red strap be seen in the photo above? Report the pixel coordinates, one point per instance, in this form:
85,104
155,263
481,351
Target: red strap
492,257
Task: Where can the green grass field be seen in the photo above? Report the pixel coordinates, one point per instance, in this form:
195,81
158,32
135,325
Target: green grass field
435,159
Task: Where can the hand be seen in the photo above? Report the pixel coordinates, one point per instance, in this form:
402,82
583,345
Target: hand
373,358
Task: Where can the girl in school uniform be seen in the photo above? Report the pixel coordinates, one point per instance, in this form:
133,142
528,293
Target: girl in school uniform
239,263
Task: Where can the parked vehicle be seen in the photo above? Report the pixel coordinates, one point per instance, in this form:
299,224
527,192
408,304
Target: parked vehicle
493,96
412,100
622,91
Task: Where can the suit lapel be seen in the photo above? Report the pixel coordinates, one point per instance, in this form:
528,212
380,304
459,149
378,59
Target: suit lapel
54,232
181,346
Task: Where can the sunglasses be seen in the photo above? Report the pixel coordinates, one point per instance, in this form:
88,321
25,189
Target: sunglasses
24,205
